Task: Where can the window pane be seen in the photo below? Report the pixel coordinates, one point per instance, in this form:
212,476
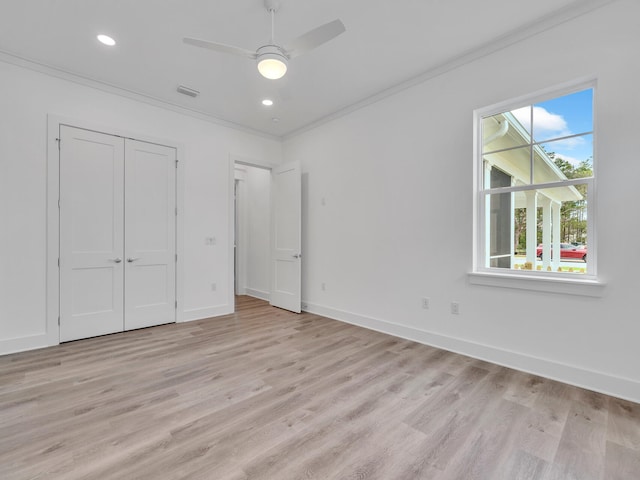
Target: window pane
515,163
505,130
563,116
500,230
548,218
568,158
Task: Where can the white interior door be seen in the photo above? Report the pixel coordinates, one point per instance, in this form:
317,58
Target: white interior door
91,233
286,237
150,234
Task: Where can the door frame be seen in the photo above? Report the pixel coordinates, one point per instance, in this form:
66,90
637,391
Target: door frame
53,213
234,160
239,232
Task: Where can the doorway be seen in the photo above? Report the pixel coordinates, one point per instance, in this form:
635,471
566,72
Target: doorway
267,228
252,230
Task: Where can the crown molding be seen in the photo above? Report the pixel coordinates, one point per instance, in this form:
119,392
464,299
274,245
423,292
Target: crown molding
535,27
40,67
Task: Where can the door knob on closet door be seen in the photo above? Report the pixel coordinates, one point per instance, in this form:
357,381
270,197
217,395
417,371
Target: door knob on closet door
297,255
132,259
115,260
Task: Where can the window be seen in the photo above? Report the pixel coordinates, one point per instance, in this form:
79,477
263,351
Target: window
535,182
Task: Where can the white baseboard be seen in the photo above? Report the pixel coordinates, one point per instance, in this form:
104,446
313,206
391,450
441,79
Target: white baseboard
15,345
597,381
262,295
200,313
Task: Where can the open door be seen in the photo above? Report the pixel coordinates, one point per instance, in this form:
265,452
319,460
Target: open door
286,239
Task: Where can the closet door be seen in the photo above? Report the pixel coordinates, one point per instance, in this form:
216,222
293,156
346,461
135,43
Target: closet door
150,238
91,233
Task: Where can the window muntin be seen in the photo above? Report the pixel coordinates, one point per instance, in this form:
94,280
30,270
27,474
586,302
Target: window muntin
536,168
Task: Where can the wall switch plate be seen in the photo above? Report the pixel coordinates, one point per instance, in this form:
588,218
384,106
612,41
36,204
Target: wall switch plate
209,240
214,287
425,303
455,308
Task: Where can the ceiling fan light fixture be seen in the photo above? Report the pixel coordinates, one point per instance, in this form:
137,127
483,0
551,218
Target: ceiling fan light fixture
272,63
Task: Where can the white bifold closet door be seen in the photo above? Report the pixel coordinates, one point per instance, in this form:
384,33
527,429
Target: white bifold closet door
117,234
150,235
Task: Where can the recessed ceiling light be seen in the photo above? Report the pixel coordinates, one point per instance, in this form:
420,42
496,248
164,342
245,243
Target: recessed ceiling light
267,103
106,39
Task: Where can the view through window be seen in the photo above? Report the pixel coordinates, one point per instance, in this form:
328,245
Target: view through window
537,171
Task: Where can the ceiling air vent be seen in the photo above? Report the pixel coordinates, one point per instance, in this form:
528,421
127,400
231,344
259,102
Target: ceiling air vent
188,91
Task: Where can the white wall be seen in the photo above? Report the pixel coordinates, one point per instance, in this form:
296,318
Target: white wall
397,221
26,98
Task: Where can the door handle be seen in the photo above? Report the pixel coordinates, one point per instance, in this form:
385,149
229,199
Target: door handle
132,259
115,260
297,255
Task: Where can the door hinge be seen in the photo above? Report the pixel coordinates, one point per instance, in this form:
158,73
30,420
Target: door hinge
176,163
58,320
176,304
58,262
176,211
176,257
58,204
59,142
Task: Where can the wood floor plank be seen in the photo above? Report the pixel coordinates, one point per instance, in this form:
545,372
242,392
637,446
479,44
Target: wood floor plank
621,463
267,394
581,451
623,423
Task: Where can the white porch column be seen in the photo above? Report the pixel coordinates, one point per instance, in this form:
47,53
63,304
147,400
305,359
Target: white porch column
487,213
547,223
513,230
532,220
556,206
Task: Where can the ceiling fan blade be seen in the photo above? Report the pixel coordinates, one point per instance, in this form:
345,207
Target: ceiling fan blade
220,47
314,38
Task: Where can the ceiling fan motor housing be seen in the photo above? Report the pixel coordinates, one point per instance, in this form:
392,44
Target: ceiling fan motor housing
272,62
272,5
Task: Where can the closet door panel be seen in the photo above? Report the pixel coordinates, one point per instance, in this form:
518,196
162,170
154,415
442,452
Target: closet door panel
91,233
150,240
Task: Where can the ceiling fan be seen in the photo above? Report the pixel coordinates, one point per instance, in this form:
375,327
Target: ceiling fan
273,58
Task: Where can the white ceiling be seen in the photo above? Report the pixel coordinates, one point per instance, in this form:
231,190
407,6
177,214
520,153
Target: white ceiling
386,44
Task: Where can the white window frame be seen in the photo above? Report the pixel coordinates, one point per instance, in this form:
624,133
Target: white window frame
554,282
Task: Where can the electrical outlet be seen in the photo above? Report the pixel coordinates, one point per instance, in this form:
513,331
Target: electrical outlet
209,240
425,303
455,308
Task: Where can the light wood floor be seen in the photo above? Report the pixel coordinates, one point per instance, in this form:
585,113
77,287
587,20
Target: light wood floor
267,394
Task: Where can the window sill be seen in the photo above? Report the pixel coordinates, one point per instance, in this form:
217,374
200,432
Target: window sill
539,283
